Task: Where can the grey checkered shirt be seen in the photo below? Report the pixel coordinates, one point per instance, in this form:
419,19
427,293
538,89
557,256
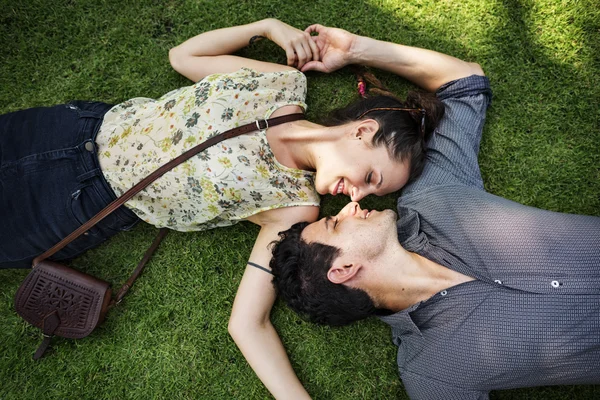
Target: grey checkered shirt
532,316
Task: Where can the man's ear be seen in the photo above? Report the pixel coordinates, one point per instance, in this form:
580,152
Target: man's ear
341,272
365,130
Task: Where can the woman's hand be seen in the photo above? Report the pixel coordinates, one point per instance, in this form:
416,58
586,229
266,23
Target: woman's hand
212,52
298,45
335,48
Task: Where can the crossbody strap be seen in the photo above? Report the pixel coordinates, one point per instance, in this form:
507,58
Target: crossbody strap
251,127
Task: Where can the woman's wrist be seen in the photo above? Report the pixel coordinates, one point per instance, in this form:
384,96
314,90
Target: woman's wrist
265,27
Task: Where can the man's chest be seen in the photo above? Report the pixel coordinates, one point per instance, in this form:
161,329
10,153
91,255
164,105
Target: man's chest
477,334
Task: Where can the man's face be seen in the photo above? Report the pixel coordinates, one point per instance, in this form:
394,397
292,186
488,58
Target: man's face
360,234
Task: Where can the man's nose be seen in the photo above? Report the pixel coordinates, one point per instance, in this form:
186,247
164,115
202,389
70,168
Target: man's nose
349,210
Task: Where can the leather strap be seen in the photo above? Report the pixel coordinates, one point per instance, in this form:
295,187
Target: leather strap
251,127
51,322
138,270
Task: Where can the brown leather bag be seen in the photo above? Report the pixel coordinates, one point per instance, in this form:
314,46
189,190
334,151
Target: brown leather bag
65,302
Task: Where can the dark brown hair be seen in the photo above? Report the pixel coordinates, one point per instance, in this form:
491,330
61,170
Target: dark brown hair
399,131
300,279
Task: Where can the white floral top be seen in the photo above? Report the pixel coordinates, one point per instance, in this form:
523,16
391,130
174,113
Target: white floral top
223,184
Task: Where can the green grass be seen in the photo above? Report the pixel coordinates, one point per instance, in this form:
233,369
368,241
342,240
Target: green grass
168,339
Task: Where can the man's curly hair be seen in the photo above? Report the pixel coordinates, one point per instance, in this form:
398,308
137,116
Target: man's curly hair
300,278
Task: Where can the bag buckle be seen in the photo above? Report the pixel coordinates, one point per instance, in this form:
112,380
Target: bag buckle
258,123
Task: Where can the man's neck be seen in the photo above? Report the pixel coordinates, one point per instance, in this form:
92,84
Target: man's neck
409,278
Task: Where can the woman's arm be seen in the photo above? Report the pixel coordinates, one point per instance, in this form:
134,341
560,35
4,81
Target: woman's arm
250,325
425,68
209,52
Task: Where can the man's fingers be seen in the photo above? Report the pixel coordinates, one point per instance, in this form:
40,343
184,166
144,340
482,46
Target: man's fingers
314,28
314,66
317,40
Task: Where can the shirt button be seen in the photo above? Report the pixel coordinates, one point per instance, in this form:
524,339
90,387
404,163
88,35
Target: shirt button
555,284
498,281
89,146
444,292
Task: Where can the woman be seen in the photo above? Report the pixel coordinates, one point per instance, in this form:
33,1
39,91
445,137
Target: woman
61,165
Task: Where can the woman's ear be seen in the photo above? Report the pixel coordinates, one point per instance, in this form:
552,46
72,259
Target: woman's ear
341,273
365,130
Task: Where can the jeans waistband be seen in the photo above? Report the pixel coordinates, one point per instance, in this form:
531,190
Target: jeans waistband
92,114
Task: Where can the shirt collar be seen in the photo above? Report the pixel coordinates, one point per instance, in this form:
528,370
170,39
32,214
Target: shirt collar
401,322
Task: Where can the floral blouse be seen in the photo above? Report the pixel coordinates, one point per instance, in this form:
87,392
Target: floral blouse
225,183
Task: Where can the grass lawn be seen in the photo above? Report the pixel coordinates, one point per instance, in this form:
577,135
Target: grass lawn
169,339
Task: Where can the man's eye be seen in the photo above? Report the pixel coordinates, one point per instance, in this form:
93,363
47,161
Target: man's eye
369,177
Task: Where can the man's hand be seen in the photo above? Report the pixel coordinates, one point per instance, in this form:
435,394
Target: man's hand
335,46
298,46
425,68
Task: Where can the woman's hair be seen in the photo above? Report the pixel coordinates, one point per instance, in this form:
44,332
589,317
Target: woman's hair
399,131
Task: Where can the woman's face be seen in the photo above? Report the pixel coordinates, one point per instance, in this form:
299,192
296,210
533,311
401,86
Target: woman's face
355,168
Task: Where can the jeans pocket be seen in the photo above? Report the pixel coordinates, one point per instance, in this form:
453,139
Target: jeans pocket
83,204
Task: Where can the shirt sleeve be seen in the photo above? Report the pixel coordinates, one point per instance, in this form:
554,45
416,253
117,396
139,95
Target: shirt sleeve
425,388
452,151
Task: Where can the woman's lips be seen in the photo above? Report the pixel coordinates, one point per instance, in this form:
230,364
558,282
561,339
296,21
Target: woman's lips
339,187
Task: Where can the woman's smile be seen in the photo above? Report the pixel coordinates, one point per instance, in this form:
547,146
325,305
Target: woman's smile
339,188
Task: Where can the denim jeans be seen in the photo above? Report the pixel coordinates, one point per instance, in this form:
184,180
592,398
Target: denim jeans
51,182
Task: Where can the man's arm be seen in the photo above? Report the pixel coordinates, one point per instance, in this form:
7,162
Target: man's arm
462,87
425,68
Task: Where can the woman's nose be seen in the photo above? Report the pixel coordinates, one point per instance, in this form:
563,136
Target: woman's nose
356,194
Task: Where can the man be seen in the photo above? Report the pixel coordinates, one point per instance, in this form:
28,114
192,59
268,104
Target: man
482,293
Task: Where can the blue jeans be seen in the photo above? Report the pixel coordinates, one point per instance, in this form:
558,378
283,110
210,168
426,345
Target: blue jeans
51,182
